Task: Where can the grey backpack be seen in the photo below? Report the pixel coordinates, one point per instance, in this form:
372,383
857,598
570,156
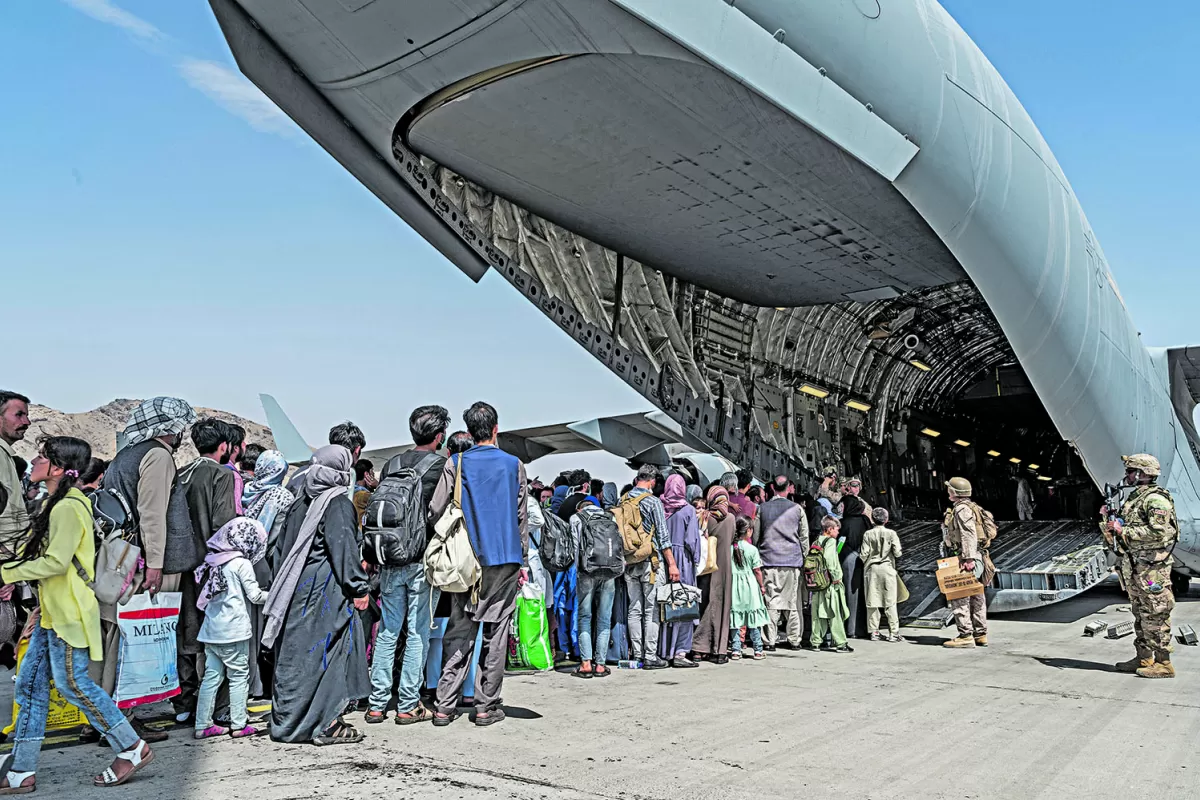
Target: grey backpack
602,550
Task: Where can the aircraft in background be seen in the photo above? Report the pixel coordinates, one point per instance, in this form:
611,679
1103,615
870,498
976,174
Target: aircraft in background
807,232
650,438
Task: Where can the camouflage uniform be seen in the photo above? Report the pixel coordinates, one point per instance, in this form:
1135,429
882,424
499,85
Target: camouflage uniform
832,492
960,535
1148,535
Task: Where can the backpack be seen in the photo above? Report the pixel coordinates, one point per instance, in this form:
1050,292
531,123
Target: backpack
394,525
816,571
985,527
118,560
601,548
637,543
555,548
450,562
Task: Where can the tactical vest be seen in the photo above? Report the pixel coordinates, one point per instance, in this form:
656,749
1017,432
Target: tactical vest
1137,536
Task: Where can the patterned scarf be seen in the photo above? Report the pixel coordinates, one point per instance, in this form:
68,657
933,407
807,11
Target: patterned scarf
264,497
159,416
718,503
238,538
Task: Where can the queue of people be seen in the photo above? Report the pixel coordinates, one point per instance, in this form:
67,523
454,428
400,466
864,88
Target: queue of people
286,583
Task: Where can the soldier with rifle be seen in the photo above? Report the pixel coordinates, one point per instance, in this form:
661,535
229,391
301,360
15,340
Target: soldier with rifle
1143,535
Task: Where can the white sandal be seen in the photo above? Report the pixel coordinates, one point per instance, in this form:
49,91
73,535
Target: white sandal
139,756
14,783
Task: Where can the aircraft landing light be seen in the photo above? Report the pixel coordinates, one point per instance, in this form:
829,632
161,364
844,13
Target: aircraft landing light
994,453
931,432
858,405
921,365
962,443
815,391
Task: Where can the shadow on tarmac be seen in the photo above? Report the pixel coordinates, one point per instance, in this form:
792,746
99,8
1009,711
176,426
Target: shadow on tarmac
1074,663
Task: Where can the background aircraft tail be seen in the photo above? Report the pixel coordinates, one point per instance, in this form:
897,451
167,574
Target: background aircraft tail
287,439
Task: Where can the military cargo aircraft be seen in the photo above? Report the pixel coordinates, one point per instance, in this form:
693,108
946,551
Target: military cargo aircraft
810,232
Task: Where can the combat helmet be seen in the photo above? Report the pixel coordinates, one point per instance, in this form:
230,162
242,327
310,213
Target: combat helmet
1145,462
829,471
960,486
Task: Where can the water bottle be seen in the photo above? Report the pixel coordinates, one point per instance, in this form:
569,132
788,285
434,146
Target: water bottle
627,663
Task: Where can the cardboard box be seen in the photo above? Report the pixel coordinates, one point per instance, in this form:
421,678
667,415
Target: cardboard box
953,582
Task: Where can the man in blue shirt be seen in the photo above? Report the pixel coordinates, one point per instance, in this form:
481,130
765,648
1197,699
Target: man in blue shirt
494,492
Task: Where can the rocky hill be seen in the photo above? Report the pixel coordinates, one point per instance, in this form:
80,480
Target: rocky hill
99,428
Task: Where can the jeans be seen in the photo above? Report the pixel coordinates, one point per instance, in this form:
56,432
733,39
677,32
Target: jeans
49,657
643,612
756,639
405,597
603,588
232,659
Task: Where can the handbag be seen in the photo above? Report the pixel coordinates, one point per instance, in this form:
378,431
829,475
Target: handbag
682,604
450,562
118,573
901,590
709,560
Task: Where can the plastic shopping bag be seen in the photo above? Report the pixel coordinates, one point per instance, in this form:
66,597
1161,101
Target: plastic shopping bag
532,631
146,670
62,716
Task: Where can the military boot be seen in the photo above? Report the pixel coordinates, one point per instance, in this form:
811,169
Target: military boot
1142,660
1157,669
981,640
960,642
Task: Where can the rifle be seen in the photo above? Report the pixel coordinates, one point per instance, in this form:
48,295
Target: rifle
1112,508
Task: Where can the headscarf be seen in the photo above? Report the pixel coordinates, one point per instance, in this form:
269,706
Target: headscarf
718,503
159,416
239,538
560,494
327,478
694,493
675,494
608,496
264,497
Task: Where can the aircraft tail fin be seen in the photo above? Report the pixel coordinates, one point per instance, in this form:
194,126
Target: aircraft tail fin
287,439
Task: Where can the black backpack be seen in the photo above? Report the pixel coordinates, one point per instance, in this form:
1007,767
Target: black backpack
555,547
394,526
602,550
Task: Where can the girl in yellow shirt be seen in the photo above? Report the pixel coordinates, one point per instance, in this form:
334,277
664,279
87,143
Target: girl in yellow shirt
69,634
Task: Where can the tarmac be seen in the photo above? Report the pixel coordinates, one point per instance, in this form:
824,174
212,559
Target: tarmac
1038,714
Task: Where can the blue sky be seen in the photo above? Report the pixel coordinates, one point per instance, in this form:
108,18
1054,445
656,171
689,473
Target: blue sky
163,231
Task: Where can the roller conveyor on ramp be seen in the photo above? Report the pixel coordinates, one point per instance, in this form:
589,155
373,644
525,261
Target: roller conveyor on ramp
1037,563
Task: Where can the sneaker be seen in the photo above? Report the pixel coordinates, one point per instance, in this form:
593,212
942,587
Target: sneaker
683,662
654,662
896,638
183,717
876,637
210,732
843,649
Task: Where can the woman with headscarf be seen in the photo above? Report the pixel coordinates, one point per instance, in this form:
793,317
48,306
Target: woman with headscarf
712,636
265,499
675,641
320,649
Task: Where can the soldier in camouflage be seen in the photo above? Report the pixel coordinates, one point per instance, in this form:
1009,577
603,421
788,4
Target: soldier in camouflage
1144,537
960,533
830,487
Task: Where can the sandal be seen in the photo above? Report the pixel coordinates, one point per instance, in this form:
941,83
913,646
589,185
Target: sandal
27,784
247,732
375,717
418,714
735,656
442,720
339,733
137,757
581,673
601,672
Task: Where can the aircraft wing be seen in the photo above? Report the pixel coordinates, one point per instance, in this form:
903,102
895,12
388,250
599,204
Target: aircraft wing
650,437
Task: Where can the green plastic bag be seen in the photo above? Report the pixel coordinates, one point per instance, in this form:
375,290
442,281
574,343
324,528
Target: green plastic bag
533,634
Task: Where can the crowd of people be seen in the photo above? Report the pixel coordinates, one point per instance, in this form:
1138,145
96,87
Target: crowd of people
300,585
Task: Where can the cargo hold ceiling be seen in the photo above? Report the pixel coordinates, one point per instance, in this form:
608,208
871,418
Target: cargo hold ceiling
744,200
